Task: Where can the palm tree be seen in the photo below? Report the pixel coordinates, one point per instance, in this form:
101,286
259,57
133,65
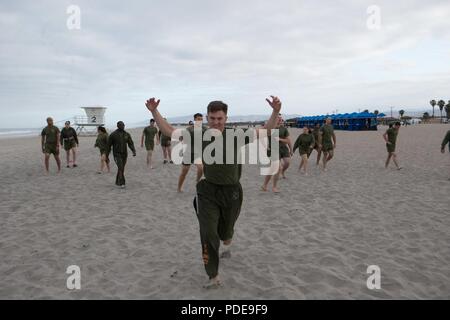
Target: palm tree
441,104
447,109
433,104
426,116
401,112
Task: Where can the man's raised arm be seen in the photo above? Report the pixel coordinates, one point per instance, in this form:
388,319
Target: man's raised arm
152,105
276,106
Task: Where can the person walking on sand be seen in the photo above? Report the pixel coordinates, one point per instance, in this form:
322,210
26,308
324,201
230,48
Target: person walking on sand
285,147
219,195
118,141
149,134
390,136
50,144
69,141
102,144
328,142
190,157
285,153
444,142
305,143
166,146
318,142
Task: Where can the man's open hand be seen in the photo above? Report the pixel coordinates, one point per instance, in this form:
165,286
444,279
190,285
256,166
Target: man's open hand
152,104
275,103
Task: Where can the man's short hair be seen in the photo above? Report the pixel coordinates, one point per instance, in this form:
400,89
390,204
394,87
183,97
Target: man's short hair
398,123
152,120
215,106
197,115
67,122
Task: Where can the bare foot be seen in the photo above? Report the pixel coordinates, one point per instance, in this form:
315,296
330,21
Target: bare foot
226,251
275,190
263,189
180,191
213,283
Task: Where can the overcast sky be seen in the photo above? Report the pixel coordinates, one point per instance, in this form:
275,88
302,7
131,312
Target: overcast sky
317,56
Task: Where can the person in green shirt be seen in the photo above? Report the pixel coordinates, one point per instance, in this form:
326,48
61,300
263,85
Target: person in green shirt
50,144
285,153
318,142
190,157
390,136
102,144
285,148
69,140
305,143
328,142
118,142
166,142
444,142
149,135
219,195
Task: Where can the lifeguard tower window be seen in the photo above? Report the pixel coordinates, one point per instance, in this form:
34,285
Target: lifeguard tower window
95,117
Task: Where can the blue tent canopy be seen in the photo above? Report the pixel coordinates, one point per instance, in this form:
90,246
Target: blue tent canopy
342,116
344,121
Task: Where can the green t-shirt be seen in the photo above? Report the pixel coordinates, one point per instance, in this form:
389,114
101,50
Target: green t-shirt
118,141
50,134
102,141
224,174
164,139
317,136
392,135
327,134
304,142
149,134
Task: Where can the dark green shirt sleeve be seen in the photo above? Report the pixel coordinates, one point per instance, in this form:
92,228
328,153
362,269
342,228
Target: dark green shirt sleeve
75,136
131,144
296,144
446,140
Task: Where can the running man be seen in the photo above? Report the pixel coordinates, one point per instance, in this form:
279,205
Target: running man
69,140
149,135
390,136
305,143
50,144
119,140
318,142
444,142
165,145
328,142
192,158
219,196
102,144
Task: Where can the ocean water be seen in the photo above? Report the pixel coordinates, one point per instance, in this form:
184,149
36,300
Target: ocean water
18,132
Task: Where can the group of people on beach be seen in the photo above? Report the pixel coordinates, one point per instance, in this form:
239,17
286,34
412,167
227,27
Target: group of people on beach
219,194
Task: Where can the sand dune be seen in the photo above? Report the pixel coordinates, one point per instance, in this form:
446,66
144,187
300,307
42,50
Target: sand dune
312,241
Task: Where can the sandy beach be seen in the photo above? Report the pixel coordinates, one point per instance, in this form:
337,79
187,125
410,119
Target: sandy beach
315,240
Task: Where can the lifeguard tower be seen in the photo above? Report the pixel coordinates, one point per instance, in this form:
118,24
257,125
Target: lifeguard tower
87,125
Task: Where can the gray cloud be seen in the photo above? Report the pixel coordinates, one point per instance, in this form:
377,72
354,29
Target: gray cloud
316,57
